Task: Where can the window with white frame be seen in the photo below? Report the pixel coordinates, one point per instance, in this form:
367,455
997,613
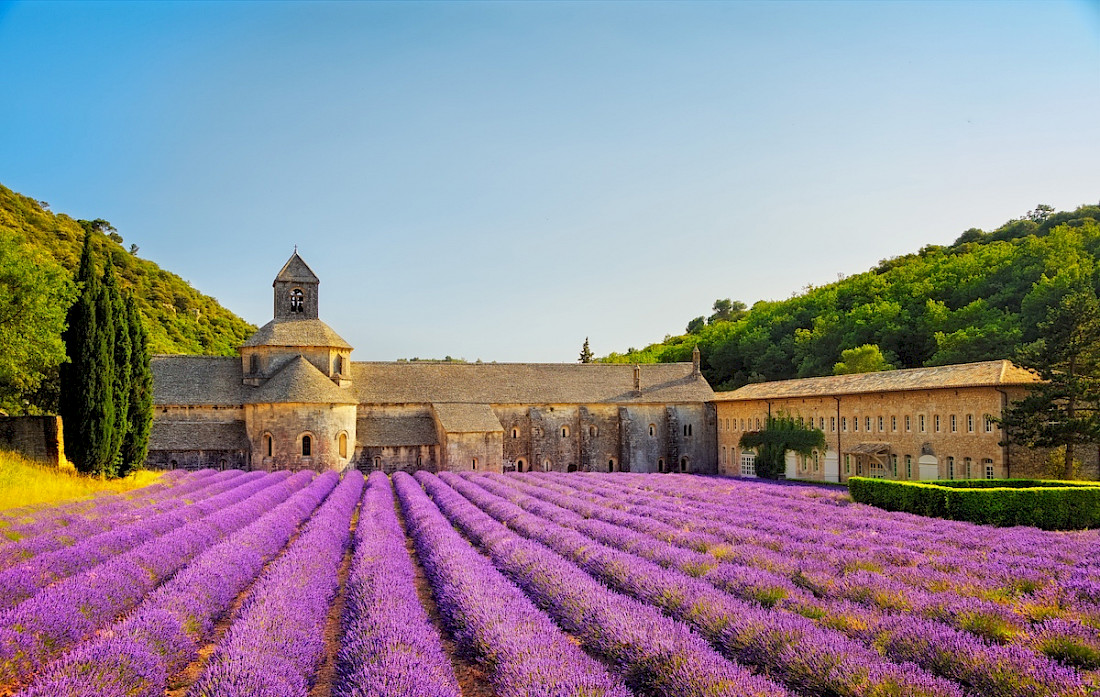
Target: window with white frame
748,464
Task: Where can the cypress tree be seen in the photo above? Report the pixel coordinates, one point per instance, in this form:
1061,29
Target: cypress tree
120,365
135,444
77,400
103,444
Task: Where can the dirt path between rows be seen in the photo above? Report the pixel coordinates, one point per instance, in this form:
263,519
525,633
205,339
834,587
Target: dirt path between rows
326,674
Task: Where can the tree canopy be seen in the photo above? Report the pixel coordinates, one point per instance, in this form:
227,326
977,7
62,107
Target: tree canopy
981,298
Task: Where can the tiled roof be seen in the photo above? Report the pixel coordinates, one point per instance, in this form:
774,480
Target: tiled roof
299,382
987,373
467,418
197,380
295,270
217,380
525,383
296,332
198,435
394,431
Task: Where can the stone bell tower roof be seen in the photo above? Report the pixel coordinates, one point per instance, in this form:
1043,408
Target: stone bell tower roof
296,270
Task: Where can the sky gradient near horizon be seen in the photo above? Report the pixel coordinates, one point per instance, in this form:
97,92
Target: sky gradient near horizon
500,180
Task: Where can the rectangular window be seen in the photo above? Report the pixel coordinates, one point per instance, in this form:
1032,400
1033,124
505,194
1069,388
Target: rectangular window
921,417
881,423
950,468
847,464
936,422
908,466
908,425
966,460
988,469
969,423
844,424
988,424
855,423
748,465
954,425
832,424
859,466
894,424
821,423
867,424
894,464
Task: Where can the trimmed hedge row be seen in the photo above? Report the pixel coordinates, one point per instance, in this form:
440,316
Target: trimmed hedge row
1050,506
1008,483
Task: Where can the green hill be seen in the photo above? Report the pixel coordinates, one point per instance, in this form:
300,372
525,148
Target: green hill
39,252
978,299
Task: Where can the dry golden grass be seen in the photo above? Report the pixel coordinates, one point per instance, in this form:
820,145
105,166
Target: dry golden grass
26,482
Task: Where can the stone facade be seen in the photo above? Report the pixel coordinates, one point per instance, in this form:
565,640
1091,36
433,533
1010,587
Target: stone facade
926,423
294,390
35,437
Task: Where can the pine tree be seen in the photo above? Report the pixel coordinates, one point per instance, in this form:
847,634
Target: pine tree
120,365
103,445
135,444
586,353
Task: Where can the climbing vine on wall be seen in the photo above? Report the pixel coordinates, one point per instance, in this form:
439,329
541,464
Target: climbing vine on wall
781,433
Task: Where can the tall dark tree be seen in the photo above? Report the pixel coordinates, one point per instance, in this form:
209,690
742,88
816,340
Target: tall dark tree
119,329
85,383
586,353
1064,410
135,444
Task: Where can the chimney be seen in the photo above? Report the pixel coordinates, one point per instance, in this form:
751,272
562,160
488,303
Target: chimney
638,380
695,372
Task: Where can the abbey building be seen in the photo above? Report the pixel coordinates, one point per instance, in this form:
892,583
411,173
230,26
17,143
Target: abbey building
295,399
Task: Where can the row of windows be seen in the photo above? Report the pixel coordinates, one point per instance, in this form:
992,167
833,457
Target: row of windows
869,423
305,444
966,469
689,431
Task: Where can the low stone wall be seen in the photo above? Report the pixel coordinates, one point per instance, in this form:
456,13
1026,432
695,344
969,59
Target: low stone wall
36,437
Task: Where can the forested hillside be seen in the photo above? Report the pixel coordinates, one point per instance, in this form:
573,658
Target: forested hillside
978,299
39,252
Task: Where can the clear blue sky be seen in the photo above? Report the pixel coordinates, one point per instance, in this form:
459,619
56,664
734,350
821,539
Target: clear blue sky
500,180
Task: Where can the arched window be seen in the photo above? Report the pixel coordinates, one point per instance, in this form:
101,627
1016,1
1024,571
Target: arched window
222,463
253,364
297,301
564,431
687,429
546,465
339,365
475,463
684,464
269,445
307,446
652,430
593,431
660,464
515,433
343,443
377,462
419,461
611,465
520,465
173,464
571,468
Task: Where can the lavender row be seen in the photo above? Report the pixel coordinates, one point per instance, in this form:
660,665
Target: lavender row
987,669
23,580
809,659
388,645
32,520
136,656
39,629
858,575
491,619
22,514
37,543
658,654
276,643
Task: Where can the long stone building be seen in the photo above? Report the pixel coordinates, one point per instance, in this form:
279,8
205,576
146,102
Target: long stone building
294,399
919,424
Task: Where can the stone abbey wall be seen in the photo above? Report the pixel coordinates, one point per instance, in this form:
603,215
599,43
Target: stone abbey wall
35,437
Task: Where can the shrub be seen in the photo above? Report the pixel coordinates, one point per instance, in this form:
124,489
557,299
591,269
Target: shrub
1050,505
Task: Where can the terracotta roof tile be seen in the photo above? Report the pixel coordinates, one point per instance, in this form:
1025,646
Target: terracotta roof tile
987,373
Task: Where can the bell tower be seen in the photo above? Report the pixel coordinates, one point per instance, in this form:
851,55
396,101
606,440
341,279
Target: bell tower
295,291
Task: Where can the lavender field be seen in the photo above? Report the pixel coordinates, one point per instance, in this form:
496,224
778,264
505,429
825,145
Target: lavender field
269,584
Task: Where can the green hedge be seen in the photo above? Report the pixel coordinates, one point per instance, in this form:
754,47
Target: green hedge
1046,505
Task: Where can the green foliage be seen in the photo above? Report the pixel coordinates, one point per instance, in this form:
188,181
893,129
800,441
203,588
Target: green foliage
586,353
781,433
978,299
862,359
117,332
1049,505
135,445
179,318
1064,411
34,292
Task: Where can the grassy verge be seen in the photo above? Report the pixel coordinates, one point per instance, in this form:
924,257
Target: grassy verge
27,482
